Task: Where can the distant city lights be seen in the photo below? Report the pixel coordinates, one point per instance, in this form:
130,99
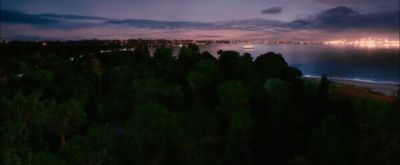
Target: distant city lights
367,43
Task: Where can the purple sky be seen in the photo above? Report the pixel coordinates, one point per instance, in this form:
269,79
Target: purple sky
314,20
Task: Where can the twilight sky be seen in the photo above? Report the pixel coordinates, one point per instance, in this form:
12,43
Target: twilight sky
312,20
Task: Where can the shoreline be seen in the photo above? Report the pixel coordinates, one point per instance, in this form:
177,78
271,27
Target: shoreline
382,88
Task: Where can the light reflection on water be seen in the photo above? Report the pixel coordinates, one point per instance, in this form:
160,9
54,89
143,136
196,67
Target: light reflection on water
373,64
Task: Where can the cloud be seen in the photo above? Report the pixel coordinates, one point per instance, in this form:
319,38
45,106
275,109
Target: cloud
10,16
333,19
66,22
50,21
342,18
338,20
272,10
70,17
336,2
364,5
337,12
13,16
249,24
155,24
30,38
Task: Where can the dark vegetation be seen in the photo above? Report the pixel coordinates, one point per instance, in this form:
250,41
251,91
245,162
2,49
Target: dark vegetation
64,103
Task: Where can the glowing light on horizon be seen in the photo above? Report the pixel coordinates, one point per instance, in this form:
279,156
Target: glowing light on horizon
366,43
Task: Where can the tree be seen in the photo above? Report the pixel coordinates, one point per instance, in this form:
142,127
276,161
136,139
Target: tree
114,102
321,105
208,56
233,96
133,108
141,53
247,57
14,143
188,56
95,72
379,129
202,83
323,87
203,75
65,118
151,124
283,123
26,108
270,65
30,110
151,130
198,142
40,79
95,148
43,158
278,91
238,149
332,143
229,64
259,110
163,60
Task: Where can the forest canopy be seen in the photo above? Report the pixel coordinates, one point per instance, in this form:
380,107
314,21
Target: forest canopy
69,104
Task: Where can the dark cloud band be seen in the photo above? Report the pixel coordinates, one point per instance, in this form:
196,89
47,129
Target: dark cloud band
342,18
334,19
272,10
11,16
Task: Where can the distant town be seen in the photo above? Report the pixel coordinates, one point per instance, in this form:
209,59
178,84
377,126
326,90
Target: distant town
178,43
368,41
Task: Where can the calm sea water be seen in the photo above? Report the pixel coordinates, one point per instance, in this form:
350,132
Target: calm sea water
347,62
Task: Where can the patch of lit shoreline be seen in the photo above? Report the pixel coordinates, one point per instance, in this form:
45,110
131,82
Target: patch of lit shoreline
354,79
366,43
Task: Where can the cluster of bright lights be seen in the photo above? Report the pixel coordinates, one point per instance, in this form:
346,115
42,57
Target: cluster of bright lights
367,42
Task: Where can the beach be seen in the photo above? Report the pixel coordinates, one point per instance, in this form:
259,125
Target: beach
353,87
388,89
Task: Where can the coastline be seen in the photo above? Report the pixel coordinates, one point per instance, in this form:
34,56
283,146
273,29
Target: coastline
374,88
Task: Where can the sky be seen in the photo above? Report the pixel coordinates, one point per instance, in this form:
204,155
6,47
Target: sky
306,20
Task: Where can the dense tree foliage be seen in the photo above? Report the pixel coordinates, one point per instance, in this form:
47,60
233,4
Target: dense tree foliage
73,103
